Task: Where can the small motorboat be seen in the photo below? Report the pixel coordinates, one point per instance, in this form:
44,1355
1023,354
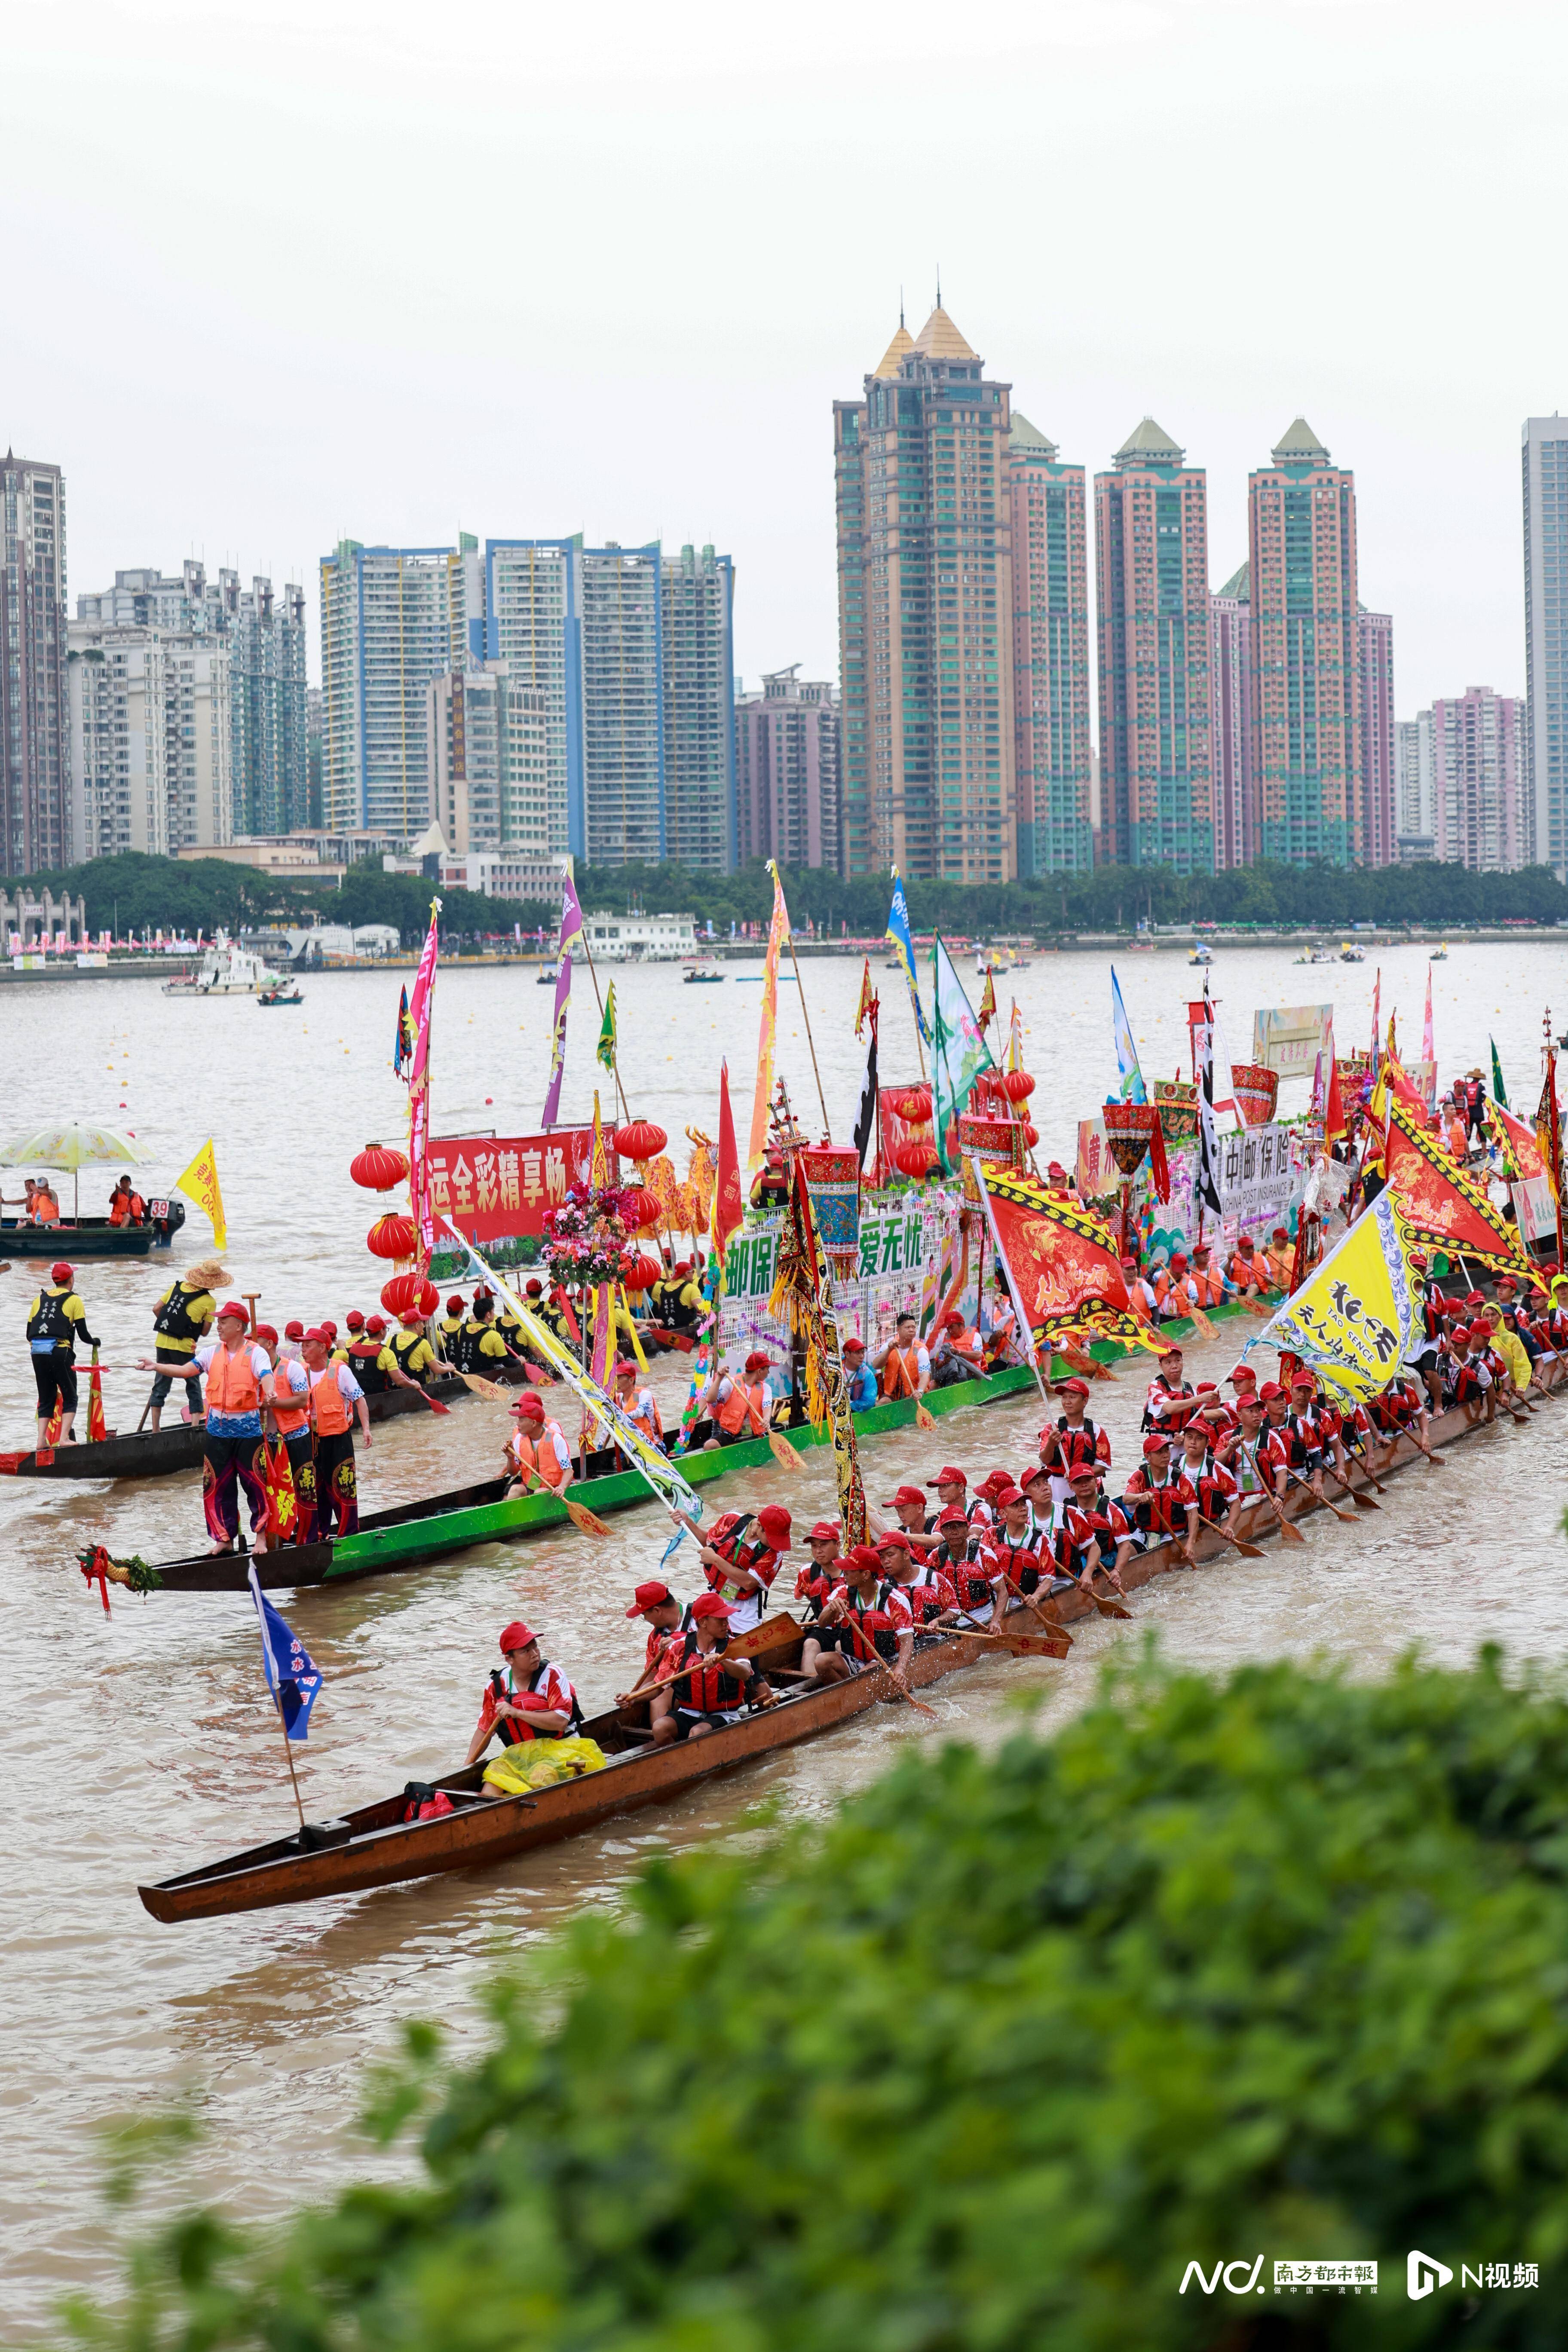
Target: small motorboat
548,975
1439,955
281,996
1201,954
703,975
1351,955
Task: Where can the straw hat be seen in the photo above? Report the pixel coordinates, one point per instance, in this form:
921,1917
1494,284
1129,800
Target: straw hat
209,1274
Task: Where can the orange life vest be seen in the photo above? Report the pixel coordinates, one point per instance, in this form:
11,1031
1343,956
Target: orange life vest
46,1210
290,1413
232,1385
1211,1285
743,1404
540,1456
328,1406
901,1373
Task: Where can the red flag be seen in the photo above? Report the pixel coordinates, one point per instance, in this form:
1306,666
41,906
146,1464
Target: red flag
1442,1200
868,997
1334,1116
1062,1264
97,1428
729,1205
1159,1166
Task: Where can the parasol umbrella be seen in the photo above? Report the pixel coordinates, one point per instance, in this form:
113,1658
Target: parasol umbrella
73,1144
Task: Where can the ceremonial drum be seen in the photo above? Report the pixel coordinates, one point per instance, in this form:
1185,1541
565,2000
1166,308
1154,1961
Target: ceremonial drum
1257,1090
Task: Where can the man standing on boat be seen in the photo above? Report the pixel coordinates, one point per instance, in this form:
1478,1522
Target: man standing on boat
904,1363
740,1566
55,1319
1171,1401
181,1321
639,1405
238,1374
335,1397
289,1398
1073,1441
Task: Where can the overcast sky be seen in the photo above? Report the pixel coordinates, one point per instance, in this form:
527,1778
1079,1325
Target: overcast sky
272,276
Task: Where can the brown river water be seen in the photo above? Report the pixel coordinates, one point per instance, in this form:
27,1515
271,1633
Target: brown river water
141,1745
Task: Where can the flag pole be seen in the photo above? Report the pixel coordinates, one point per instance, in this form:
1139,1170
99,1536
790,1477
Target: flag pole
615,1058
288,1756
806,1016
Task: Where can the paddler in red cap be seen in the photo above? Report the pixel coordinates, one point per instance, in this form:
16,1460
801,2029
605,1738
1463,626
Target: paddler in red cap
537,1451
739,1407
533,1700
866,1618
639,1405
707,1689
909,1503
953,1494
1172,1401
664,1618
1281,1258
1160,1503
822,1569
1072,1441
238,1376
741,1565
55,1318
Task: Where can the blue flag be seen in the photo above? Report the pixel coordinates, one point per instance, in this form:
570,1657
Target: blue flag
903,947
1131,1077
291,1677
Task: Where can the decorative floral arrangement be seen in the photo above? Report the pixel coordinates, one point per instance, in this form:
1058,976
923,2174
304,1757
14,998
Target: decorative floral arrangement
587,1241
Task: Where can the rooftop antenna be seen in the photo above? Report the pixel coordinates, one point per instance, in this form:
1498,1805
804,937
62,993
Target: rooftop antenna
902,309
938,285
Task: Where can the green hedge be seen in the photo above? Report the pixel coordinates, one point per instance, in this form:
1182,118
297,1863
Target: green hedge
1276,1966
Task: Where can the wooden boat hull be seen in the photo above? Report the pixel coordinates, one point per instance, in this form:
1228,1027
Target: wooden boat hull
382,1849
93,1237
392,1541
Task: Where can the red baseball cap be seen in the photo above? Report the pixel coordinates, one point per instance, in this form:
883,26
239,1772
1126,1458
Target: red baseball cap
991,1480
296,1331
864,1559
1244,1377
1166,1353
1250,1403
825,1531
315,1336
1006,1496
1030,1472
1086,1474
757,1362
235,1306
948,1477
1207,1388
1179,1258
708,1604
952,1517
649,1596
773,1521
1302,1380
1475,1299
453,1306
532,1405
859,1345
266,1334
953,1317
63,1272
515,1636
907,1495
1073,1388
374,1328
329,1327
1270,1391
894,1541
356,1320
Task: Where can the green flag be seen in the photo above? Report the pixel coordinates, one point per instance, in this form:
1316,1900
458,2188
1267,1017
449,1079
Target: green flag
1498,1095
959,1053
606,1046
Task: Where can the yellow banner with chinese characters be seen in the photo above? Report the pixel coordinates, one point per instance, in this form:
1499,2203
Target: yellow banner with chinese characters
1356,1321
199,1183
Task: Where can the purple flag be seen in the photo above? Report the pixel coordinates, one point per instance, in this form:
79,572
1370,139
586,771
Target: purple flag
570,937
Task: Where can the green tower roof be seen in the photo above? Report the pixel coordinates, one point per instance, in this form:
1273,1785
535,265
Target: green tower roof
1299,447
1148,443
1239,585
1025,435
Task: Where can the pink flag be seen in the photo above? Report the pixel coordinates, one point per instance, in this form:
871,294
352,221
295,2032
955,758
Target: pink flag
1428,1051
778,933
419,1011
570,937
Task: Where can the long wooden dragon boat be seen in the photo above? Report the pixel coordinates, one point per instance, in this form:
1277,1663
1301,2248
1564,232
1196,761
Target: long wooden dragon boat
374,1847
412,1534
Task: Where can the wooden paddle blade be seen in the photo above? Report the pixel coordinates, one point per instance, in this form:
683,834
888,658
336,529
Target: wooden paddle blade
491,1389
1110,1608
783,1452
1034,1645
1202,1321
582,1517
925,1418
1247,1551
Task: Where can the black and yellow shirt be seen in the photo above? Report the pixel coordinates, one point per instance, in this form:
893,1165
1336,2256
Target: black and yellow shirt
181,1319
53,1319
408,1352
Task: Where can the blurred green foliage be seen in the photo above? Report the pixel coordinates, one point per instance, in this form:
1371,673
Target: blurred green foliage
1274,1966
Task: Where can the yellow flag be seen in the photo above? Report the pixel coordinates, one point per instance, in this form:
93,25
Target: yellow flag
199,1183
1357,1318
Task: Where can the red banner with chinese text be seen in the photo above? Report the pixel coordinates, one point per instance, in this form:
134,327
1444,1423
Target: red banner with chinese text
1064,1270
498,1186
1443,1200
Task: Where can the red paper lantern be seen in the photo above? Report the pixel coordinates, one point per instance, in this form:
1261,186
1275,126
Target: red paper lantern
915,1159
640,1210
1019,1085
640,1140
912,1103
1031,1134
378,1167
410,1294
644,1273
391,1236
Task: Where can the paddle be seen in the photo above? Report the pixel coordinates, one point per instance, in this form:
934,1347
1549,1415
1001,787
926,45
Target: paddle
581,1517
1088,1366
888,1673
1307,1488
1362,1502
1024,1646
1247,1550
492,1391
1357,1454
924,1419
783,1452
1268,1495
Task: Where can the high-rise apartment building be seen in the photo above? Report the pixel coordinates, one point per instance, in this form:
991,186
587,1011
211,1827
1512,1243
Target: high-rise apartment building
489,760
1050,656
1155,737
1478,771
1375,841
152,739
787,768
265,638
533,623
1543,464
34,724
925,613
1415,820
385,634
697,672
1230,675
1306,653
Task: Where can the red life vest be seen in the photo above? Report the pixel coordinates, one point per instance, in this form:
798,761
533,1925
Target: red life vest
710,1690
1075,1449
289,1410
873,1620
727,1541
743,1404
1157,1510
